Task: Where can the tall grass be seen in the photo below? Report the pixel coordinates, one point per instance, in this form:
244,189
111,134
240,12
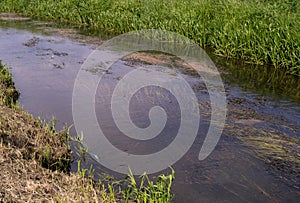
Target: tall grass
149,191
257,31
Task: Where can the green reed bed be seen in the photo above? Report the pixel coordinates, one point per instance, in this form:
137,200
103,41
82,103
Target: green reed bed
256,31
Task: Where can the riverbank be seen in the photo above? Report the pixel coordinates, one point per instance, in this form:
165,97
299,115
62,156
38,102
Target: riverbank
35,162
34,159
261,32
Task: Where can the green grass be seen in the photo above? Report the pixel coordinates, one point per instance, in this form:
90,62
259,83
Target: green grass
141,190
149,191
8,93
256,31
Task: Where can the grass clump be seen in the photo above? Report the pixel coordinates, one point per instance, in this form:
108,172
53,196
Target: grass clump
149,191
8,93
261,32
141,190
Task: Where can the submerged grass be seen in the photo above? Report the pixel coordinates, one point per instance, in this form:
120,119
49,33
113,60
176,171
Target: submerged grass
280,150
274,146
262,32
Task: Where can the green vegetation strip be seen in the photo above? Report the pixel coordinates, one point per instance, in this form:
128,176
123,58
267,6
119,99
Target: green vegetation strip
262,32
35,163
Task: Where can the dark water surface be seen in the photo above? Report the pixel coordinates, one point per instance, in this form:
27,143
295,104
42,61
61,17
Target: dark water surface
44,67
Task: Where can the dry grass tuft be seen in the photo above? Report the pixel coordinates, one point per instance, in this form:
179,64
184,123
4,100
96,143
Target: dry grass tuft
26,181
24,149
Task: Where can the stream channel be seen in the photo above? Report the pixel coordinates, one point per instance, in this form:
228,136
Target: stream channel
45,60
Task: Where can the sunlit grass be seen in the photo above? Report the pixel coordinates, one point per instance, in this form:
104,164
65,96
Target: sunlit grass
263,32
139,190
8,93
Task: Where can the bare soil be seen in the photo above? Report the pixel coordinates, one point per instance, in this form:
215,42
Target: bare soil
13,17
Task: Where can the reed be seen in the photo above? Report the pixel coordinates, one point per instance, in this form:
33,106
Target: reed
261,32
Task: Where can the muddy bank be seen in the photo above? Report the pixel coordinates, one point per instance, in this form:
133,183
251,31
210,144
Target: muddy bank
34,158
28,155
48,28
13,17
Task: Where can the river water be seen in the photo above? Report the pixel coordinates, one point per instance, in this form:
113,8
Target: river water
45,63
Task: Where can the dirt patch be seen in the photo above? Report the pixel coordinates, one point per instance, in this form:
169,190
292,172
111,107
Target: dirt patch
51,28
32,42
156,58
13,17
193,68
248,121
73,34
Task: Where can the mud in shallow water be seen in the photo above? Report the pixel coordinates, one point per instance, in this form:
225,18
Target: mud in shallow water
242,168
13,17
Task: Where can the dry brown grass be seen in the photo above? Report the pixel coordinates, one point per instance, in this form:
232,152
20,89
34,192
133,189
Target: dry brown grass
26,181
22,154
34,159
